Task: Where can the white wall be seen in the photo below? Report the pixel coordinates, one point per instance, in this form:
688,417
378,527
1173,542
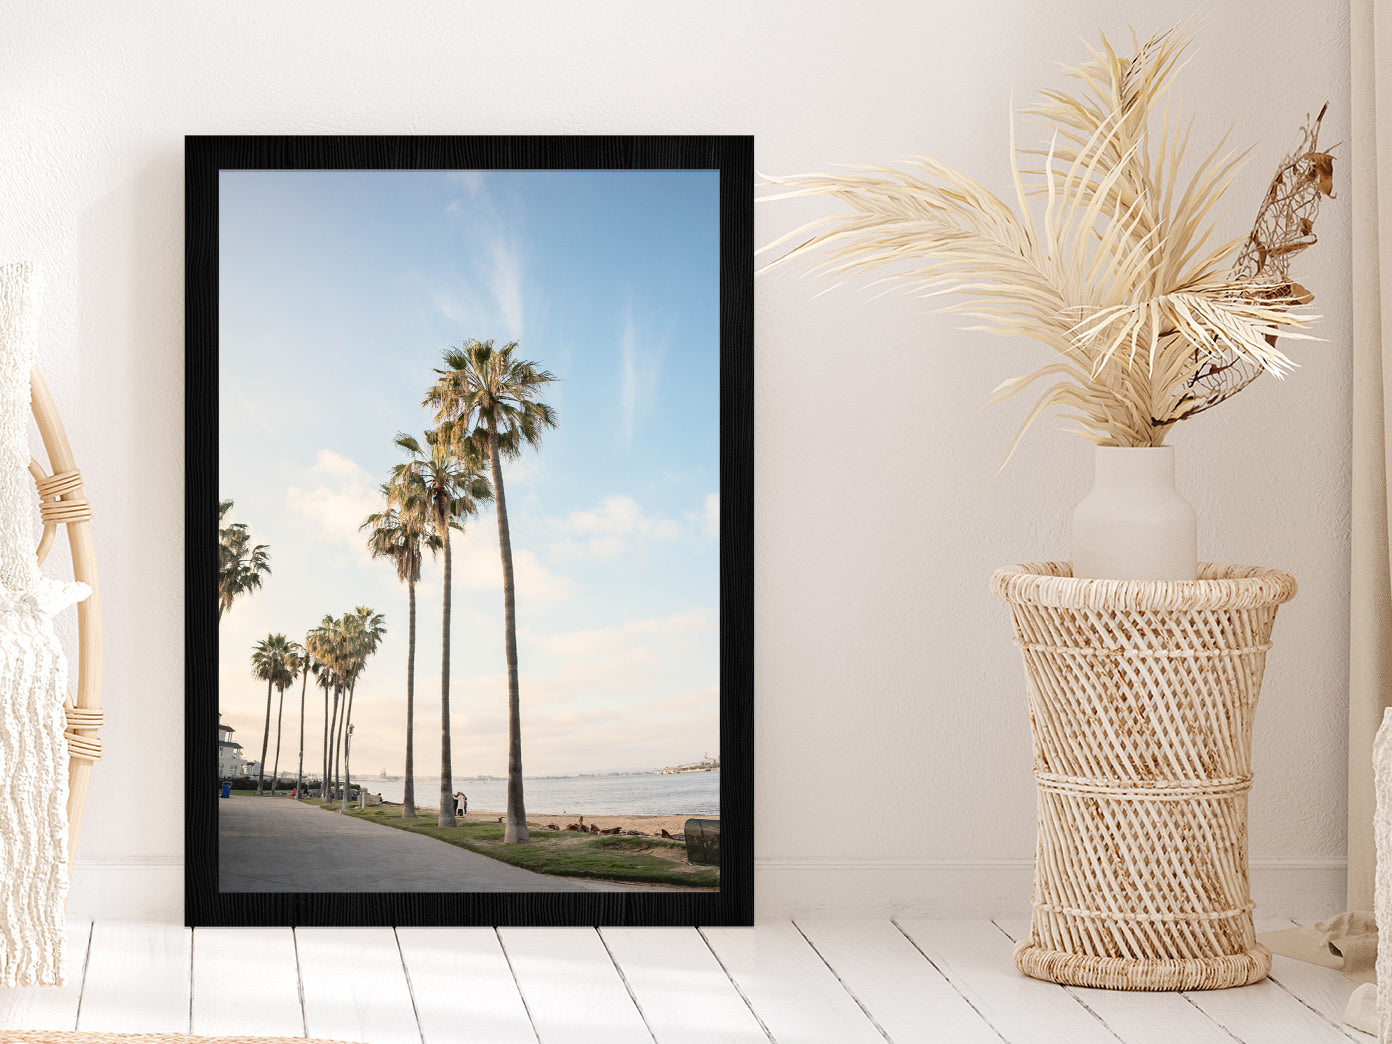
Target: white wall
893,756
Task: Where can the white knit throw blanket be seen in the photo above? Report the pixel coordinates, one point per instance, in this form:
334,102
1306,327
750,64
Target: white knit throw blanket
33,681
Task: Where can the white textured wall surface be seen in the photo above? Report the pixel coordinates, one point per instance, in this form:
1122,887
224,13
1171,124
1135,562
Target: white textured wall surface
893,746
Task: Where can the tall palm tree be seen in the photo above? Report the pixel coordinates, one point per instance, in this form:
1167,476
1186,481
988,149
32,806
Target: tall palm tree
363,630
306,669
324,677
341,663
343,656
292,670
240,563
341,647
325,645
489,397
347,644
270,662
453,486
401,533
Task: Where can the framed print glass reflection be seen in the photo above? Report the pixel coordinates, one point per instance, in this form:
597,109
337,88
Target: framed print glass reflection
469,530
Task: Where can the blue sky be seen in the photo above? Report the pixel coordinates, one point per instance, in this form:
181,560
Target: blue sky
339,292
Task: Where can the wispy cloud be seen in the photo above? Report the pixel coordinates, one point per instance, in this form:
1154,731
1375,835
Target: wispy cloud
471,181
628,389
640,366
504,278
451,304
495,240
630,641
478,567
710,516
599,737
336,494
494,293
566,736
611,527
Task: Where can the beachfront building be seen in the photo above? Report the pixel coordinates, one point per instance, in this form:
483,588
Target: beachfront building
230,761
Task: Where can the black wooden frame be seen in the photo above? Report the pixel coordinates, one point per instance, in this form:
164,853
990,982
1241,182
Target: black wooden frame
733,157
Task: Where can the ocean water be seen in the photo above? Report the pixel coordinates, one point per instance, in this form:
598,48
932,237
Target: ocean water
683,794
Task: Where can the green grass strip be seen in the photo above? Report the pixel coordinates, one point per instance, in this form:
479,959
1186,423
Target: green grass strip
560,853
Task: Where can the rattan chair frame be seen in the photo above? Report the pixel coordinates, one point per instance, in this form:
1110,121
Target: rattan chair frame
63,502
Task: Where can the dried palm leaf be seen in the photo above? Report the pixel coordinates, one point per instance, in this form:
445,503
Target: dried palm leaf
1285,225
1119,273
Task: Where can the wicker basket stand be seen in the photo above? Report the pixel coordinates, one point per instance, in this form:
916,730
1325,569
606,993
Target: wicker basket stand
1141,696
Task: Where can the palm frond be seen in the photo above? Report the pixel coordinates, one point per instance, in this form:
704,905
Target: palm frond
1108,253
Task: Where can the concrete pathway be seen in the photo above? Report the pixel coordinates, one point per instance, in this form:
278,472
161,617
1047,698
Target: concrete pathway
280,845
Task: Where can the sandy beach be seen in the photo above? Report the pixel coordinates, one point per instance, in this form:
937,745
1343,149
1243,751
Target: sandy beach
653,825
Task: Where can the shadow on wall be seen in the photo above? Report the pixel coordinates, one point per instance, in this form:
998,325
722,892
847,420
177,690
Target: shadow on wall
126,372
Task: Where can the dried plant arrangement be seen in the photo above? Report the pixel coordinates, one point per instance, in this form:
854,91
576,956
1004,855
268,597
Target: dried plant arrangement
1153,321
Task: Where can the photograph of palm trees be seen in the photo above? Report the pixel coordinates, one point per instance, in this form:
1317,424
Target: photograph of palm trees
480,429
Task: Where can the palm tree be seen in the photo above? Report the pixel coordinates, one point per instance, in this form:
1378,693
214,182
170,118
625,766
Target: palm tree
340,663
270,662
292,670
400,533
489,398
340,648
347,654
363,631
452,486
341,666
325,645
306,669
325,677
240,564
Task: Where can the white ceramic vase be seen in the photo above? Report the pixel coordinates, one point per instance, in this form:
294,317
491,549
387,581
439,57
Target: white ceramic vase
1134,525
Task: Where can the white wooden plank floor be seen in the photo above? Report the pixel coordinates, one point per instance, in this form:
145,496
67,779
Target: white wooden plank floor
816,981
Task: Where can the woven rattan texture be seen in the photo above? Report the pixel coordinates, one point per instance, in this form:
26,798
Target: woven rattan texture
1141,698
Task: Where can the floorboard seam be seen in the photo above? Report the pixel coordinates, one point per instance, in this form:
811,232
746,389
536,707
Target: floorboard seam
998,928
948,979
82,987
1199,1008
738,988
192,943
837,975
299,979
410,987
1318,1014
624,979
1070,991
1338,1026
517,983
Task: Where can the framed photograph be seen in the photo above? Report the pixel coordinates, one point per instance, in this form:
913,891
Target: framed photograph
469,530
